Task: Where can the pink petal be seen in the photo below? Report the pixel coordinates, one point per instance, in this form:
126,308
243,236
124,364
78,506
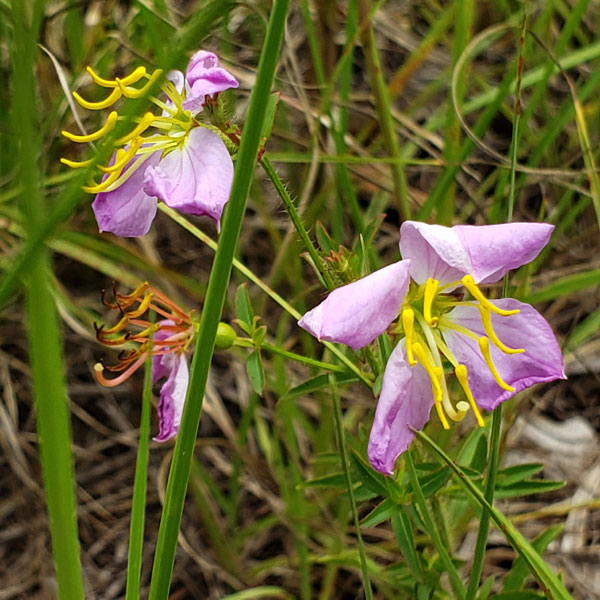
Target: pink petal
172,397
406,399
434,251
206,77
194,178
356,313
496,249
127,211
541,362
486,252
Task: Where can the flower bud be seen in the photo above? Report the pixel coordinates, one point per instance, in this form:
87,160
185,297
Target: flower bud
226,336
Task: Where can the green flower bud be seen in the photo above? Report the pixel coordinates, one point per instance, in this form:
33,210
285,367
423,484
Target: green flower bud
226,336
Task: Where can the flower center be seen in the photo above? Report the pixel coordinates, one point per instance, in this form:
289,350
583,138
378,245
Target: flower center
133,149
426,313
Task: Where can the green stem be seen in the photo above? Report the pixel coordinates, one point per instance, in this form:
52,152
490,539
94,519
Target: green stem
337,413
297,221
309,362
138,504
213,306
457,585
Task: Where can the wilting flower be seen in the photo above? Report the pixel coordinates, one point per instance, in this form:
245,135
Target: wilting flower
495,348
184,162
171,337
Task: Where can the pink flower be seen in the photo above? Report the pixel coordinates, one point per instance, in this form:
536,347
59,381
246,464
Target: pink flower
184,163
496,348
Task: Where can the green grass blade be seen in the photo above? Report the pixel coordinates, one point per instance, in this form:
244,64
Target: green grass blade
45,345
213,306
549,581
138,504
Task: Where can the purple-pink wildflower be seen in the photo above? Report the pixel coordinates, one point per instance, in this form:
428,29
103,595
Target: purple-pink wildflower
496,348
184,162
171,337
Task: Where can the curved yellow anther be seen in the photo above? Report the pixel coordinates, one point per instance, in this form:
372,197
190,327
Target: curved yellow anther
135,76
470,284
132,92
100,105
486,319
124,156
461,375
142,308
408,321
435,374
431,288
116,328
103,185
90,137
484,346
144,123
74,164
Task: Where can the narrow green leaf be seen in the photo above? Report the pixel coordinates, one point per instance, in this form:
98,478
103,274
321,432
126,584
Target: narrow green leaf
540,570
256,373
243,307
403,532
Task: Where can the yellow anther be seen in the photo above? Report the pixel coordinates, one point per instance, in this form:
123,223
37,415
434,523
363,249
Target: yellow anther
484,346
470,284
431,288
132,92
435,374
144,123
108,101
461,375
91,137
486,319
142,308
74,164
103,185
408,321
116,328
124,156
135,76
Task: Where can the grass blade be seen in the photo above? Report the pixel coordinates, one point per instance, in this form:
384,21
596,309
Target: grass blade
213,306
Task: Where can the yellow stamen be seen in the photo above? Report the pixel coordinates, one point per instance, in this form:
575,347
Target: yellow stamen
132,92
102,104
144,123
113,83
116,328
123,157
486,319
103,185
408,320
461,375
146,332
142,308
431,288
75,165
91,137
435,374
484,346
126,300
470,284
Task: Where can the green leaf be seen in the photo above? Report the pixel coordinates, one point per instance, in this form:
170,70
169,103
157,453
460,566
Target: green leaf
515,473
258,335
256,373
526,488
516,578
373,480
327,481
434,481
382,512
540,570
243,308
403,532
565,286
486,588
319,382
